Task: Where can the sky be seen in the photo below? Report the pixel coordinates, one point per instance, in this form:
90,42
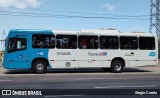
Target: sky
123,15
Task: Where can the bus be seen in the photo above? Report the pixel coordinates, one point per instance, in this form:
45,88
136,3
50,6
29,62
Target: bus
39,50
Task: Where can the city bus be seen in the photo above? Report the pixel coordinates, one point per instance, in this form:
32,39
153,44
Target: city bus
39,50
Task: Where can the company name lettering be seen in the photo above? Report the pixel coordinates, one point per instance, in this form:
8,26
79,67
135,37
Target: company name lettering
97,54
63,53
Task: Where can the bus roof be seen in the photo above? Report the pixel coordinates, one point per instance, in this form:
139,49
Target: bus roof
81,32
30,31
101,32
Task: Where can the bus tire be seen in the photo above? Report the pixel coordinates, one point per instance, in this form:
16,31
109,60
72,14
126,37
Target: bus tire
39,67
117,66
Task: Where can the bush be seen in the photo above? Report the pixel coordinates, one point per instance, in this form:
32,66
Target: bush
158,53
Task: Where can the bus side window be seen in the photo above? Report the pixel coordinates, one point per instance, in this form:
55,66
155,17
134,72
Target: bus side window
66,41
88,42
52,42
43,41
109,42
128,42
146,43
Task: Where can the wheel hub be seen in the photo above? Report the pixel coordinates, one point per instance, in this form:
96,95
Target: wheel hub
40,66
117,66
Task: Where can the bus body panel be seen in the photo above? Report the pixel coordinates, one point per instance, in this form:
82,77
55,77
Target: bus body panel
75,58
90,58
63,58
19,59
23,59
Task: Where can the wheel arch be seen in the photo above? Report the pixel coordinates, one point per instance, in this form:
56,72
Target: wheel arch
39,58
119,58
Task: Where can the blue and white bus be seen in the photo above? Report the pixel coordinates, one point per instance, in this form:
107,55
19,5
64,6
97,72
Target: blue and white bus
40,50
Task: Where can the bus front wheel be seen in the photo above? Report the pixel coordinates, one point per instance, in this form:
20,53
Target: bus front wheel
117,66
39,67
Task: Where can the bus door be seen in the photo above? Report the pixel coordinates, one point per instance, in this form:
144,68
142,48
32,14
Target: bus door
17,54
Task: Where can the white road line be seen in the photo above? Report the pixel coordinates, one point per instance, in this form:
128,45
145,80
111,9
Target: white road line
5,80
126,86
100,78
63,96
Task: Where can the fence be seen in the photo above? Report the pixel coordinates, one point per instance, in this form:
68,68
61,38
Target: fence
2,45
2,48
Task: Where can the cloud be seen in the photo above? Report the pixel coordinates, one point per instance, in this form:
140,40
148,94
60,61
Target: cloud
19,3
109,7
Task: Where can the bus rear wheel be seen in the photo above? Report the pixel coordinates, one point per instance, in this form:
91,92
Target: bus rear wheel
39,67
117,66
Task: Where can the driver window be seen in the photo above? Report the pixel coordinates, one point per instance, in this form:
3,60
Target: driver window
17,44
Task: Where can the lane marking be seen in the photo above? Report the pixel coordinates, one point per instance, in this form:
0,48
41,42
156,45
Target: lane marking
127,86
5,80
63,96
100,78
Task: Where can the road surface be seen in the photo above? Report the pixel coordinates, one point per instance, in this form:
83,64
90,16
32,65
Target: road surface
82,79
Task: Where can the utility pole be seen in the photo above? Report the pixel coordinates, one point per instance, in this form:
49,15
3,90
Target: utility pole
155,17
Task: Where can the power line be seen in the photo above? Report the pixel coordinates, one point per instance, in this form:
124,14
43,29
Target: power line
79,12
67,16
51,23
86,17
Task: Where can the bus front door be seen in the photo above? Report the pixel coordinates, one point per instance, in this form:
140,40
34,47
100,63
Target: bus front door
17,57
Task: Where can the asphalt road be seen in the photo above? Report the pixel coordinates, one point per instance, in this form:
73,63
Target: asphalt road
82,79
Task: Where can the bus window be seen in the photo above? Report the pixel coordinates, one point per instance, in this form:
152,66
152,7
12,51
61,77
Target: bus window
43,41
146,43
17,44
66,41
128,43
88,42
108,42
